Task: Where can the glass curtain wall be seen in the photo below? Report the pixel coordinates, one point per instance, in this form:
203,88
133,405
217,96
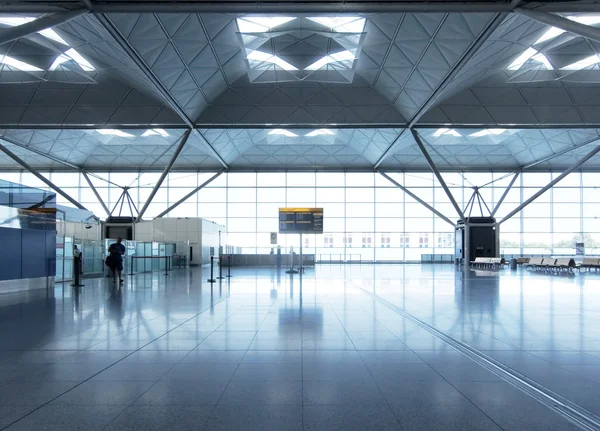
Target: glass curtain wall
366,217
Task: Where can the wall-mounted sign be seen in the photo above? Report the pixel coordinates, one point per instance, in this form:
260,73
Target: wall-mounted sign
300,220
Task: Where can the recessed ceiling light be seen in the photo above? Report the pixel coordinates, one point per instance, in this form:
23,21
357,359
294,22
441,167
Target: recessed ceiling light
270,58
319,132
283,132
341,24
115,132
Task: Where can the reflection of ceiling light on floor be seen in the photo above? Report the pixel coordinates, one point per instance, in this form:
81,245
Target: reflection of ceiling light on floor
319,132
152,132
451,132
283,132
259,24
115,132
341,24
270,58
14,63
487,132
332,58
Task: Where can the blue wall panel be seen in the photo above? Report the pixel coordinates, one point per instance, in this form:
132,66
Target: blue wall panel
51,253
34,262
10,262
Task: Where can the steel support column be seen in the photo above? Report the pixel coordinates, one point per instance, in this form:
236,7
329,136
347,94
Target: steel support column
505,193
552,183
563,23
154,80
40,177
182,143
190,194
456,69
104,207
42,23
437,174
415,197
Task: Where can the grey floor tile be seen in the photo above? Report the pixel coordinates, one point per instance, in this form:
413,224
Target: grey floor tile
128,372
342,393
32,393
98,393
339,357
275,356
159,418
389,357
341,418
182,393
497,393
155,357
531,416
205,372
214,356
255,418
266,372
403,372
328,371
62,372
444,418
10,414
61,417
421,393
248,392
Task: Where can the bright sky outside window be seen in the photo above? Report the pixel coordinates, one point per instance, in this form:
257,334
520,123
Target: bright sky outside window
270,58
319,132
555,32
451,132
76,57
530,53
115,132
47,33
341,24
486,132
259,24
582,64
333,58
14,63
283,132
152,132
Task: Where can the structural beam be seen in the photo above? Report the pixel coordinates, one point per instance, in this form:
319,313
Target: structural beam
162,177
149,74
437,174
565,24
415,197
104,207
505,193
190,194
456,69
42,23
40,177
552,183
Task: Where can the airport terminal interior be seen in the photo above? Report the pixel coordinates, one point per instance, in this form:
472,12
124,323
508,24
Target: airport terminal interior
300,215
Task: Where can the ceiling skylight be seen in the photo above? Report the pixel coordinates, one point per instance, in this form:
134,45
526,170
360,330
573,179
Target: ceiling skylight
47,33
337,57
486,132
555,32
72,55
341,24
319,132
259,24
451,132
270,58
152,132
16,64
582,64
115,132
283,132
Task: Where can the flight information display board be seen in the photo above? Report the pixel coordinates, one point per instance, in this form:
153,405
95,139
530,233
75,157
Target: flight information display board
300,220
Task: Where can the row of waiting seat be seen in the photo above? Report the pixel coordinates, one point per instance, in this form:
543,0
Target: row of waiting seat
488,262
562,264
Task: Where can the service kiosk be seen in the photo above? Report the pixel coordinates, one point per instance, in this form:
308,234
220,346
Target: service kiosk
300,221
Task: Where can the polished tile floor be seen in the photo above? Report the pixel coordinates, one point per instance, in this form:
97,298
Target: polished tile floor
264,351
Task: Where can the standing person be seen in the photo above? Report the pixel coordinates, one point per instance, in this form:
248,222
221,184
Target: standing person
115,259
